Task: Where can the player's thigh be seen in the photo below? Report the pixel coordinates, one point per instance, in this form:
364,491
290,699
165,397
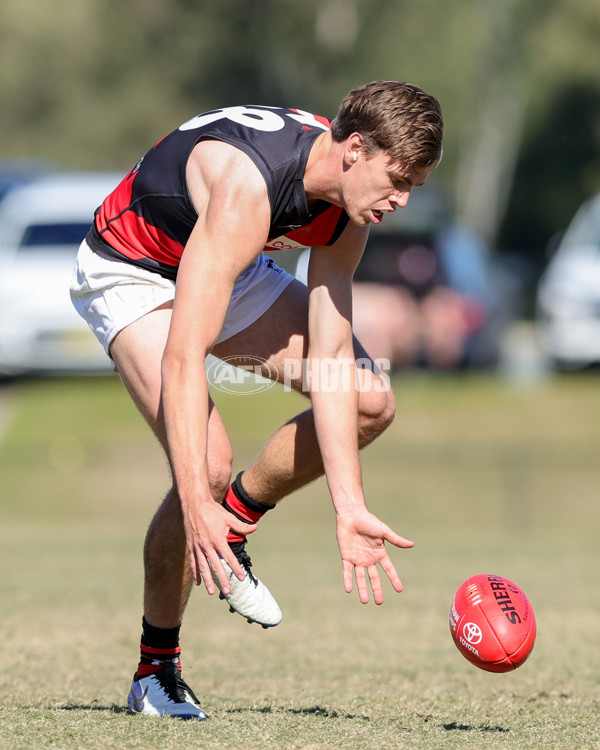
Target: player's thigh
137,352
280,338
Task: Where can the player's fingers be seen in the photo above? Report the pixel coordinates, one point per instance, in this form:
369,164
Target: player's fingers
193,563
347,572
397,540
241,526
375,584
218,571
361,584
392,573
201,571
231,560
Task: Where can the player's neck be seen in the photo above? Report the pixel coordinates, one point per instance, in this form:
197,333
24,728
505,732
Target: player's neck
319,176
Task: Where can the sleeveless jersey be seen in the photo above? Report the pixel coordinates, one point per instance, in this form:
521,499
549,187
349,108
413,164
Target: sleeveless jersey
148,218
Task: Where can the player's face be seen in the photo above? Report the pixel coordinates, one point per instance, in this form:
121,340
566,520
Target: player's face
376,185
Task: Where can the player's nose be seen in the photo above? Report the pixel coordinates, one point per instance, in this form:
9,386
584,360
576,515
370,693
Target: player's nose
401,198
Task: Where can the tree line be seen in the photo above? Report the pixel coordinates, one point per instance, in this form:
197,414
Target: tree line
92,84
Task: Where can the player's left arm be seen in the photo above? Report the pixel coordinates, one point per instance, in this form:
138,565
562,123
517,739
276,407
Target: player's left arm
332,376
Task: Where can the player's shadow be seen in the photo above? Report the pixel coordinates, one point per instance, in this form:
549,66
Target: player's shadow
454,727
326,713
113,709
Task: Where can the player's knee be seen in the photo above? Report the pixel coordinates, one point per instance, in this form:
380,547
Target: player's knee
219,476
385,409
377,409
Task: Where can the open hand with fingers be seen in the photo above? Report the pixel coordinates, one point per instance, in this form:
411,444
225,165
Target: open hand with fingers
206,528
361,538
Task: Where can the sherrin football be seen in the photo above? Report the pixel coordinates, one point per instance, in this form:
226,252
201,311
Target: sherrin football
492,623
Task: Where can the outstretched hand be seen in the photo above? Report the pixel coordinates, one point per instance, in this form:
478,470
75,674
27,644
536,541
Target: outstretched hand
361,538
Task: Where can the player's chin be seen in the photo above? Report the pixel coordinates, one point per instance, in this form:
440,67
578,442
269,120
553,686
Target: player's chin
362,220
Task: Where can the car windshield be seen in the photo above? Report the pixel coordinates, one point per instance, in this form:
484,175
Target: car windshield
38,235
585,229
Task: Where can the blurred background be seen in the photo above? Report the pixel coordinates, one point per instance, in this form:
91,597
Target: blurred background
476,273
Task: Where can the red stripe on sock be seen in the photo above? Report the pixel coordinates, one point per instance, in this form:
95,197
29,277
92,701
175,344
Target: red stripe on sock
252,516
144,670
164,655
166,651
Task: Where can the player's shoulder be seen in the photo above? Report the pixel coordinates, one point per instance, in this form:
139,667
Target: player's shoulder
219,168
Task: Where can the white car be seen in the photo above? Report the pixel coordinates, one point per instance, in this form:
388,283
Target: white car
568,298
41,227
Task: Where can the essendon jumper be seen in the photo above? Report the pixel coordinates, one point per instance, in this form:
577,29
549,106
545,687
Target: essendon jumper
148,218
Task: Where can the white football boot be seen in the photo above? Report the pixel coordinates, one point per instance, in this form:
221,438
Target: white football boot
164,693
250,598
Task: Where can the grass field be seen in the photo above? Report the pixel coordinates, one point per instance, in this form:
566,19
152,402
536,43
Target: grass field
484,476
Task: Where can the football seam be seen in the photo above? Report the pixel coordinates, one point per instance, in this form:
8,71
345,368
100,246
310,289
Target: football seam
498,641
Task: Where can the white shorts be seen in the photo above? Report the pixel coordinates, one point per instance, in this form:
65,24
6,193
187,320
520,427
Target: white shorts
111,294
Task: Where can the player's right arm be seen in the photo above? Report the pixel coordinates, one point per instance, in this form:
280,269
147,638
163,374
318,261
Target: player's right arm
230,197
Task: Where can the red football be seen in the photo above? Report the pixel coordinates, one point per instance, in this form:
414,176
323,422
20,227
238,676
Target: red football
492,623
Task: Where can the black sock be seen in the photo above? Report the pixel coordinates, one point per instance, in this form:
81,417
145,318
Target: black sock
158,647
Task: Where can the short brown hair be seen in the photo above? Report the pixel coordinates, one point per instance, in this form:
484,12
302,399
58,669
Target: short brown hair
398,118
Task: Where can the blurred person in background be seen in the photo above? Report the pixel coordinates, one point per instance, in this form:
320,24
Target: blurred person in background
173,270
425,294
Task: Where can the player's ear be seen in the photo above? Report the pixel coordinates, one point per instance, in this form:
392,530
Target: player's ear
355,146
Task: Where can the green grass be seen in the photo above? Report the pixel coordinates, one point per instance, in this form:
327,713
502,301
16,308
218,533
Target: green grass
484,477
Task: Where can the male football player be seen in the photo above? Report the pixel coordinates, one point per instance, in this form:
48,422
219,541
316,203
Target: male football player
173,270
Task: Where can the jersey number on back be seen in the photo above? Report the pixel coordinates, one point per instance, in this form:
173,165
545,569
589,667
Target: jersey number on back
251,117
